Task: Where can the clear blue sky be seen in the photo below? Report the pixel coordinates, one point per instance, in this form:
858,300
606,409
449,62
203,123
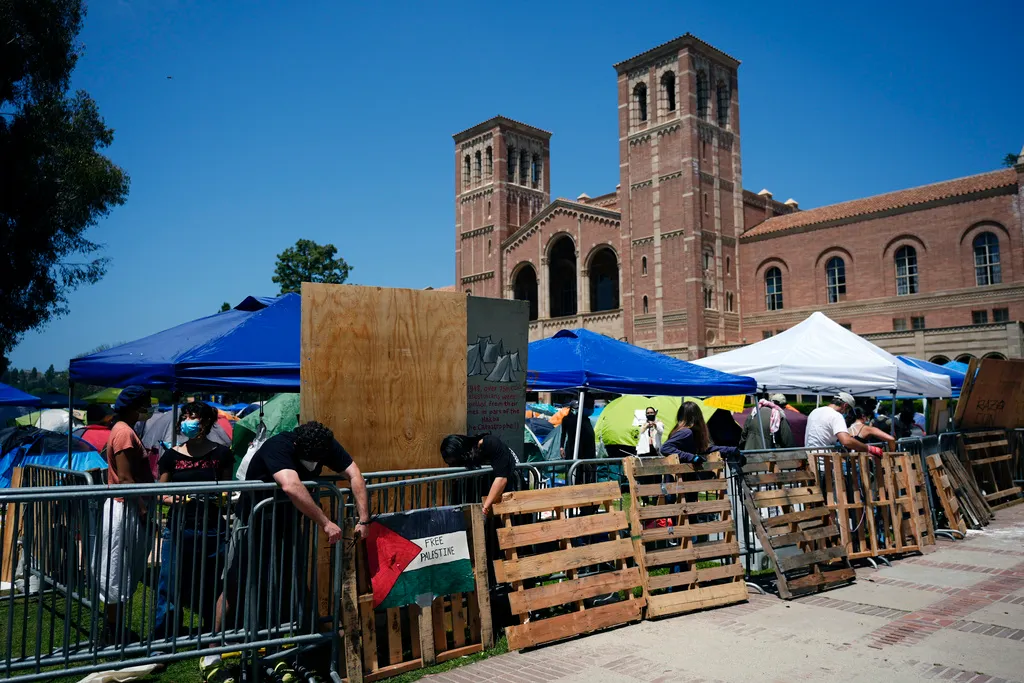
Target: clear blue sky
333,120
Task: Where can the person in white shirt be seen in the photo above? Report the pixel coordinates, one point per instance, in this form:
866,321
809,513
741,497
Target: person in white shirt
651,430
827,424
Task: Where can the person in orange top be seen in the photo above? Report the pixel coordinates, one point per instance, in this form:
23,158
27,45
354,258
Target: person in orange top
124,543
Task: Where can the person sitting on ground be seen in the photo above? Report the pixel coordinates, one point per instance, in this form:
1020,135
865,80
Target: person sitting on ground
651,432
124,546
864,432
827,424
460,450
195,536
766,426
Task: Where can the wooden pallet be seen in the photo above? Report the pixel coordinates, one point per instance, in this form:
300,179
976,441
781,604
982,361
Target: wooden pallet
788,513
977,513
946,494
921,512
541,538
380,643
990,459
870,503
695,505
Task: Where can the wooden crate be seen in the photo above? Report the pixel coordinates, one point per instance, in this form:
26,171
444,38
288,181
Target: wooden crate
541,538
380,643
910,479
945,493
788,512
695,504
871,503
989,458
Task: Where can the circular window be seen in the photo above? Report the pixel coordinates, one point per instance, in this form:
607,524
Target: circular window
711,336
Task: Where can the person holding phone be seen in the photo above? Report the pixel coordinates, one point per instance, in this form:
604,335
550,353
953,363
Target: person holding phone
652,430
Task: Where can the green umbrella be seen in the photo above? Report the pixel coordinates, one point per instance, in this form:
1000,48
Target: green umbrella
615,423
280,414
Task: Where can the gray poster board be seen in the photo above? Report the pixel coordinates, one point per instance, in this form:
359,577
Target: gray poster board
497,337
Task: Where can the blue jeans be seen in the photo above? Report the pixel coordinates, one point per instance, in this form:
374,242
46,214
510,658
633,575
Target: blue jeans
199,559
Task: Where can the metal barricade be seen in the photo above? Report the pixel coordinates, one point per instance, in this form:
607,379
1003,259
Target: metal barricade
157,573
1017,444
43,475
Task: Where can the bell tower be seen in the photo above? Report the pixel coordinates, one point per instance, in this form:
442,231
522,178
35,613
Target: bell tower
502,180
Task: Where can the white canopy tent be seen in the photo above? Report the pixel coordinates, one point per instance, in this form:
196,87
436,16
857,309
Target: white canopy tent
819,356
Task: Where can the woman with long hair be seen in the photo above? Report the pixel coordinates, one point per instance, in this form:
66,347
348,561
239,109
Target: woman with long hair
690,439
864,432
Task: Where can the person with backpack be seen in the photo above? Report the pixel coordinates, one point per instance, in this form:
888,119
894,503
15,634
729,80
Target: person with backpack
766,426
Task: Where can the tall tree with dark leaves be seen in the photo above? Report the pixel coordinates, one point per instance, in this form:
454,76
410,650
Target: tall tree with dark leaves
308,261
54,182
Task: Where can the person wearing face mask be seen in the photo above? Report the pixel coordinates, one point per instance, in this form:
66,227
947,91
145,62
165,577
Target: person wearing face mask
195,536
123,544
651,431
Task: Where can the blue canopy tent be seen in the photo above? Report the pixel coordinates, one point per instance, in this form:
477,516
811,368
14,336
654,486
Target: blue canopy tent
581,360
956,378
957,366
9,396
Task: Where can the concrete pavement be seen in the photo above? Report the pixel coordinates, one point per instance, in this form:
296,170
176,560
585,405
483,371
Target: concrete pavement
955,613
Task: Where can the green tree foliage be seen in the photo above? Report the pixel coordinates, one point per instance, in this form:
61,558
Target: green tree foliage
308,261
54,183
1010,160
225,307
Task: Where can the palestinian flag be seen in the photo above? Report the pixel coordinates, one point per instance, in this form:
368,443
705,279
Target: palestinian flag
418,552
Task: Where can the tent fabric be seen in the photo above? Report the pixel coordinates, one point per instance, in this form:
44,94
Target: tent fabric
254,346
615,425
160,428
9,396
280,414
820,356
581,359
21,446
50,419
956,379
957,366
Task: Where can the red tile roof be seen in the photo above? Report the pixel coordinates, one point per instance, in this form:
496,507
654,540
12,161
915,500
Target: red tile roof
886,202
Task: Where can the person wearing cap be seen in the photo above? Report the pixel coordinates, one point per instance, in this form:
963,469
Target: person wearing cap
767,426
124,546
827,424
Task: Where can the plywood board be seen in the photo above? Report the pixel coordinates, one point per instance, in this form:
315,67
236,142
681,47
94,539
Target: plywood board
385,369
996,398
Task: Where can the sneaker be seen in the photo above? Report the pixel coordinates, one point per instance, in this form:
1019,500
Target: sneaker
285,674
214,669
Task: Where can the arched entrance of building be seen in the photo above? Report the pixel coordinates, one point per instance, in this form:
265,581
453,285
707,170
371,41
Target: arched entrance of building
604,280
562,277
524,287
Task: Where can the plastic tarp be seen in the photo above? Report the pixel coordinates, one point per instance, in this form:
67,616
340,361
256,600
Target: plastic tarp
956,378
21,446
581,359
957,366
9,396
254,345
819,356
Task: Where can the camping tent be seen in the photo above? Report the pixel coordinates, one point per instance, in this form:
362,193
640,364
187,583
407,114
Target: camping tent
254,345
280,414
160,429
9,396
615,426
581,359
820,356
20,446
50,419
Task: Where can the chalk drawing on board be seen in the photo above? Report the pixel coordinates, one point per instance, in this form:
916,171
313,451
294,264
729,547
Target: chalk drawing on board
489,359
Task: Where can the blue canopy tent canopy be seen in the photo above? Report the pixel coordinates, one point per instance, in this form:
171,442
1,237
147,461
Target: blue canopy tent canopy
957,366
581,360
9,396
956,378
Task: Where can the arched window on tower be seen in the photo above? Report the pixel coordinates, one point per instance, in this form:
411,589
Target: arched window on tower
668,90
562,278
835,280
773,289
702,94
524,167
535,171
478,167
512,164
524,288
723,104
489,163
906,271
640,102
643,265
645,304
466,173
987,270
604,281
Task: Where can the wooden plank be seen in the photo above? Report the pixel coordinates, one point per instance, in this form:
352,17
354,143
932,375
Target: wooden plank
440,632
460,652
668,533
1003,494
394,635
819,533
681,487
988,461
12,532
542,500
369,628
547,532
813,583
573,590
794,517
350,613
426,636
701,597
508,571
965,392
777,457
790,499
483,587
406,348
572,624
394,670
692,576
704,551
996,398
458,620
794,477
806,559
679,509
985,444
414,612
651,469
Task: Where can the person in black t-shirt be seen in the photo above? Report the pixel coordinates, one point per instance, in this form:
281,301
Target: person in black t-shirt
194,540
459,450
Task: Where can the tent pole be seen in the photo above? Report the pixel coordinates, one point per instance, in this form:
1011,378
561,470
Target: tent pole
892,423
579,428
71,417
174,419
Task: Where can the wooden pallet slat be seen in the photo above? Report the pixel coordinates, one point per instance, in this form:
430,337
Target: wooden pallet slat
789,512
989,458
946,495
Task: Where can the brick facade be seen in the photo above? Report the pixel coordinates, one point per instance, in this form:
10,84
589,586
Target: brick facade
676,258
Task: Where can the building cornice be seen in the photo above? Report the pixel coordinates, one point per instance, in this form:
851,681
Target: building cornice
478,277
560,207
479,231
672,47
501,122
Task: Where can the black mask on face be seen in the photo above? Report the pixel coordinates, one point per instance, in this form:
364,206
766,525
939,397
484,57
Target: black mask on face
651,418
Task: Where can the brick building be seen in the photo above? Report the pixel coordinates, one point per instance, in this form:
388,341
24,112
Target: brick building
682,259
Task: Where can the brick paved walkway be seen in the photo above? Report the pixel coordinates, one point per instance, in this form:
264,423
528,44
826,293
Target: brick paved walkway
954,614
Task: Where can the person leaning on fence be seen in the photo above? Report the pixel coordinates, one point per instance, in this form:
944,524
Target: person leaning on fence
472,452
194,540
767,426
827,424
124,542
865,433
280,537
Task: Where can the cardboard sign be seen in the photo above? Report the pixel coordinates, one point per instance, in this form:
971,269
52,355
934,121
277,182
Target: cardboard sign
996,398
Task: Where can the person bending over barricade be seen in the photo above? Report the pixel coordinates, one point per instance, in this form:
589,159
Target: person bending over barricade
828,424
278,534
